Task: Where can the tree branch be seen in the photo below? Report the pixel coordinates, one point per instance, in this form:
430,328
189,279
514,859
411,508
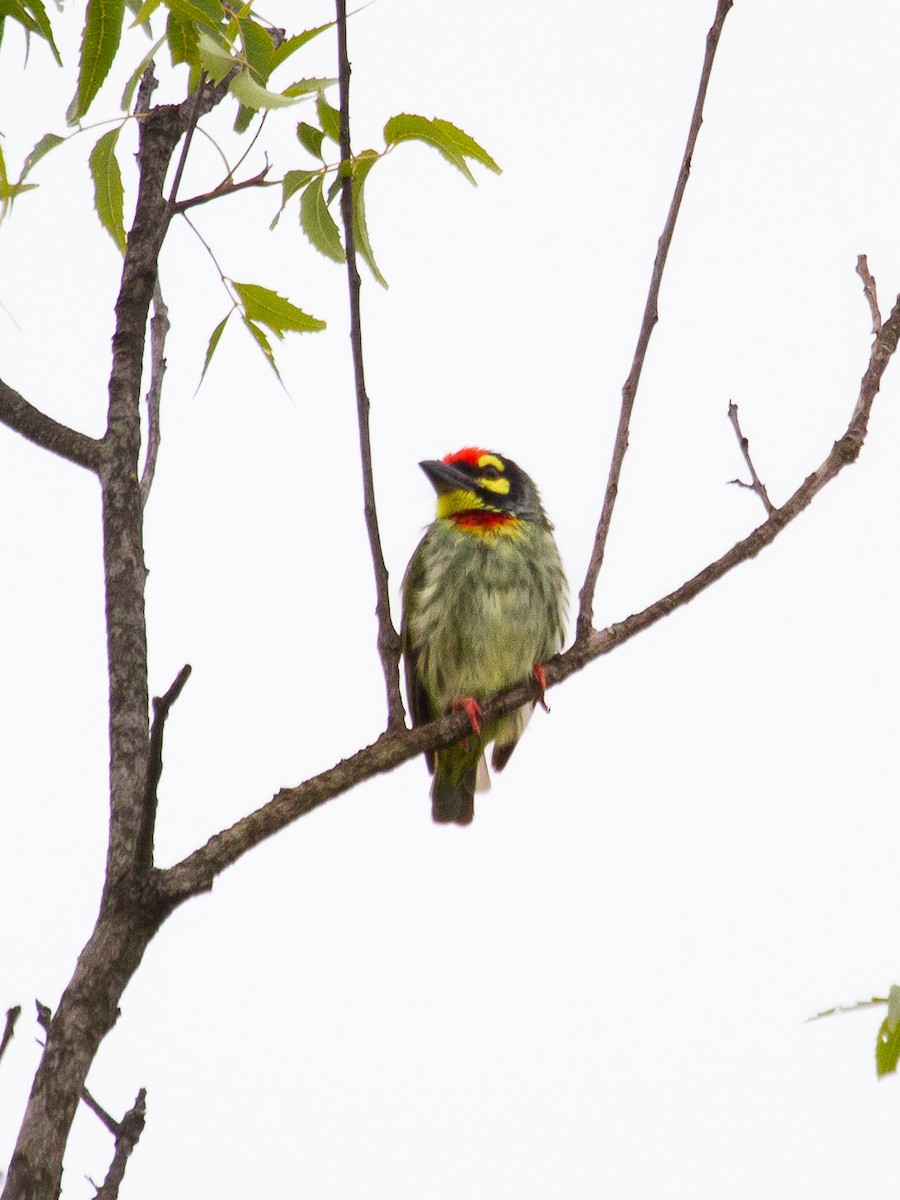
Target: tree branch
128,1133
868,279
388,639
12,1015
161,707
37,427
198,871
226,188
757,485
159,328
651,316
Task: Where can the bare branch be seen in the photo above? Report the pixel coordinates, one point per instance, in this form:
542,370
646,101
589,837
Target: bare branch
862,270
388,639
37,427
651,316
757,485
128,1134
12,1015
161,707
44,1016
226,188
159,328
198,871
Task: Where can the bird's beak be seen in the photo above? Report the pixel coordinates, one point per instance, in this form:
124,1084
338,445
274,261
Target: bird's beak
445,477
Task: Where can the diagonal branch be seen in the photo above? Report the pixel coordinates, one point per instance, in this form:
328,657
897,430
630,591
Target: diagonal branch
388,640
31,423
651,316
161,708
198,871
757,485
12,1015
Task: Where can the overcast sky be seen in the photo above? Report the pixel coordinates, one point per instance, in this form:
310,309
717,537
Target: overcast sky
600,988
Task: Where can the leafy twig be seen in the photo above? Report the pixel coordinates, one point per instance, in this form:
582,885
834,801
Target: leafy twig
757,485
226,188
651,315
388,640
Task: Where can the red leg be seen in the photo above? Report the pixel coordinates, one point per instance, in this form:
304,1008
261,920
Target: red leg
472,710
539,682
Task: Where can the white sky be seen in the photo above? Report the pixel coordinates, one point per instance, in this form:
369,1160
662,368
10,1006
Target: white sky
600,988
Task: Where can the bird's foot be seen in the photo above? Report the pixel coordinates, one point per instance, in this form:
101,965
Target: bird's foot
472,709
539,685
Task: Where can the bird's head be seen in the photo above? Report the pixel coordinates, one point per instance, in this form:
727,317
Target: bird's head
473,482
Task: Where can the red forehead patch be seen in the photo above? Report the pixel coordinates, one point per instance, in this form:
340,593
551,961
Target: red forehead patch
468,454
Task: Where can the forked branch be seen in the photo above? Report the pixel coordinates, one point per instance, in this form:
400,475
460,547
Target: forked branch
651,315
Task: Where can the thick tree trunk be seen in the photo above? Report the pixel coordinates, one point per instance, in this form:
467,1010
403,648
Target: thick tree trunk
87,1011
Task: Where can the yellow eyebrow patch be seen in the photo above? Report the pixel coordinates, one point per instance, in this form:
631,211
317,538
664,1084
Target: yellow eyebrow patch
500,486
491,460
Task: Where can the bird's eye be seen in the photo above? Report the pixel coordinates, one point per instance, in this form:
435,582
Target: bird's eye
490,473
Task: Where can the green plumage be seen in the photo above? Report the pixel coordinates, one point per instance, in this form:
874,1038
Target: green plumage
483,602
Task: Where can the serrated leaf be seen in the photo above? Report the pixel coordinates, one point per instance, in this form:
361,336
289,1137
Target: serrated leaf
208,13
362,165
292,44
455,145
262,341
318,224
214,340
47,143
216,60
245,88
144,12
42,26
137,74
108,191
311,139
259,50
99,43
329,118
290,185
183,41
275,312
887,1047
305,87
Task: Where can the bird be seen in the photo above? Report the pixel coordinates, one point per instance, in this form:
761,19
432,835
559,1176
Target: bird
484,607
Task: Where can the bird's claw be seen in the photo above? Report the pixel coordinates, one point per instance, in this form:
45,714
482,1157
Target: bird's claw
472,709
539,685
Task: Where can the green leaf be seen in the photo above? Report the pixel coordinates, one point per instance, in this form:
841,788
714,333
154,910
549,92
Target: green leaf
216,60
329,118
183,41
292,44
99,43
887,1048
259,50
269,309
144,12
208,13
41,24
455,145
245,88
214,339
304,87
292,182
47,143
311,139
262,341
108,191
131,85
318,223
362,165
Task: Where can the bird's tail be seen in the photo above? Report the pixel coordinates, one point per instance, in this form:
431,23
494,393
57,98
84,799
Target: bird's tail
454,787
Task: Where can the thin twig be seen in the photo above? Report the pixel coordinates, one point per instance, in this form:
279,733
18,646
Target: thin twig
12,1015
862,270
226,188
161,707
127,1136
197,872
757,485
651,315
159,328
388,640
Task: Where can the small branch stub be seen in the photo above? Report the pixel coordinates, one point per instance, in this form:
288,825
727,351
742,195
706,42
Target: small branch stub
757,485
868,280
